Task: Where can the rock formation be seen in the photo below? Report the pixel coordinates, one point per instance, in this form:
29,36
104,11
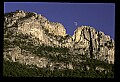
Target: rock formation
26,32
98,44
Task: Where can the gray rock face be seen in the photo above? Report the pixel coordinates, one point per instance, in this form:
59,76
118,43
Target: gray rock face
100,45
40,31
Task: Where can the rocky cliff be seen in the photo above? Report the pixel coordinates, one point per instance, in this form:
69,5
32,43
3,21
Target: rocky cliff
98,45
31,39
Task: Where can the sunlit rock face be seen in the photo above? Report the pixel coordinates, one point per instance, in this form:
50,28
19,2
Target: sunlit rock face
102,45
25,31
55,28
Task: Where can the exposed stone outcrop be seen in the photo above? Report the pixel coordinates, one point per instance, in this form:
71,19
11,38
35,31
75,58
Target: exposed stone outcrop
25,57
35,25
97,43
55,28
85,41
17,54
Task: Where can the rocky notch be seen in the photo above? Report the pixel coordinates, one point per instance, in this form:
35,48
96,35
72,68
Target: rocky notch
25,33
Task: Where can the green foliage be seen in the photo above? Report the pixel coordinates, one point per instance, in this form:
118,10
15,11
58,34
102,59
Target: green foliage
46,31
8,14
51,49
14,69
6,42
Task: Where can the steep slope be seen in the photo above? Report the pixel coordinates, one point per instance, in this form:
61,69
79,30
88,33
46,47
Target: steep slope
36,43
96,43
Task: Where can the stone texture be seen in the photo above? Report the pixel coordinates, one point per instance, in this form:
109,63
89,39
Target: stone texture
102,44
25,57
85,41
55,28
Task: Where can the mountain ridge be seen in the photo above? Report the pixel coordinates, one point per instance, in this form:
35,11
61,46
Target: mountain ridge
31,39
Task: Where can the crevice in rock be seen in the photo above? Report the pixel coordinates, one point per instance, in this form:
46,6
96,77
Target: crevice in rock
91,45
84,36
98,41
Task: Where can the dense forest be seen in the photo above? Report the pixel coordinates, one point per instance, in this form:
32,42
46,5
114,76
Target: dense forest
14,69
